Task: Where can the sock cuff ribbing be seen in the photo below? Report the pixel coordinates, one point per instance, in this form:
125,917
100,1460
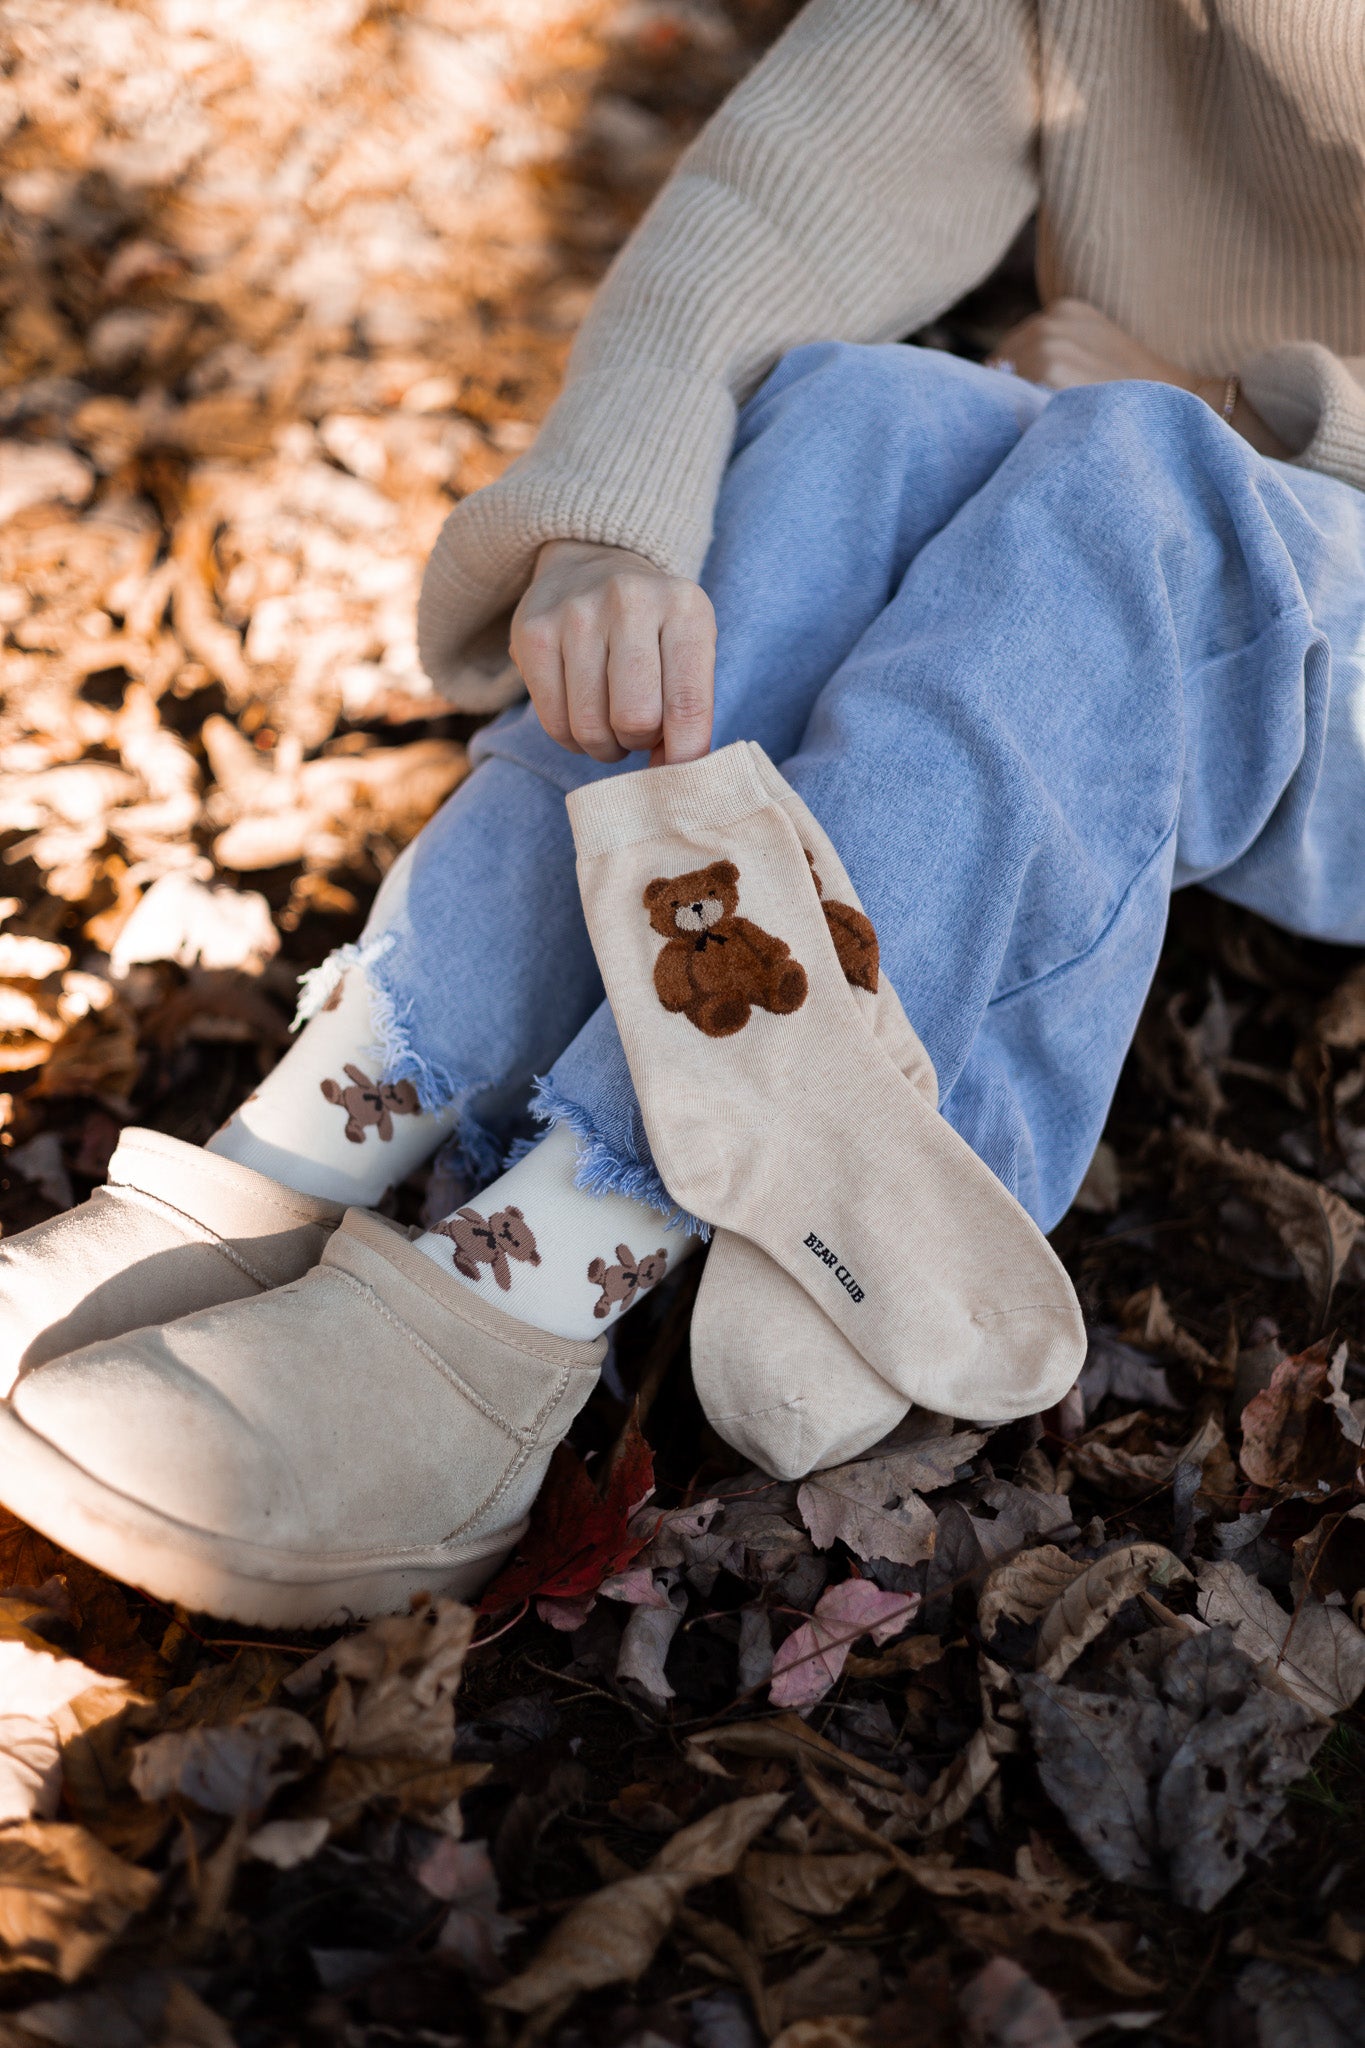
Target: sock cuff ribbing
716,791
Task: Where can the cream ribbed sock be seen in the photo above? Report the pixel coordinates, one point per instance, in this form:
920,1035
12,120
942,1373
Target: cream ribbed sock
776,1377
553,1254
322,1123
773,1111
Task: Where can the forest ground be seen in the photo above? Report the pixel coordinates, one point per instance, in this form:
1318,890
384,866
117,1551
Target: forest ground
1020,1738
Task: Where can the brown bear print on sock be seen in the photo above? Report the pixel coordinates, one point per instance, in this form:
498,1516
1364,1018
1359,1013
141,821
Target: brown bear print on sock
371,1105
490,1241
717,967
627,1278
855,941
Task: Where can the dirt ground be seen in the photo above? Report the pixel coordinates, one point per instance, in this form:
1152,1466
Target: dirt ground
1020,1739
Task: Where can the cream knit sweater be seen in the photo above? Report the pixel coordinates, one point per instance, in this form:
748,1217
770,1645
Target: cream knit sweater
1198,167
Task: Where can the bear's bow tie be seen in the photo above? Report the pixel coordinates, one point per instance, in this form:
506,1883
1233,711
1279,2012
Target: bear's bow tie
705,939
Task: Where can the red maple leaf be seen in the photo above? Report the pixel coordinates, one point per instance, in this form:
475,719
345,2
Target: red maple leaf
578,1535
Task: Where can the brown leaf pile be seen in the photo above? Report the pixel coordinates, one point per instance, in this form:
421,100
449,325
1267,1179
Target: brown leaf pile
1018,1738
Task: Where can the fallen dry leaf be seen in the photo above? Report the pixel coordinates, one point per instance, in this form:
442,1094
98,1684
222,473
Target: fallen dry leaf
234,1770
1291,1433
611,1937
872,1507
1128,1456
780,1893
45,1701
577,1536
287,1843
182,919
1086,1606
1318,1228
63,1898
1025,1587
807,1664
395,1684
644,1648
1186,1771
1317,1653
1002,2007
1301,2008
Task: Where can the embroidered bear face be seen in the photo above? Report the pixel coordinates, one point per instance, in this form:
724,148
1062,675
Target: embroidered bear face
627,1278
371,1105
695,902
490,1241
717,967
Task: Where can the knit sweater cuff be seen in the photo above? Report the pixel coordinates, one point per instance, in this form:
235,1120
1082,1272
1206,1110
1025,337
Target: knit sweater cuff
630,459
1315,403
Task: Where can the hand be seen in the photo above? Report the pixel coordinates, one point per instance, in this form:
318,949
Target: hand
618,656
1071,343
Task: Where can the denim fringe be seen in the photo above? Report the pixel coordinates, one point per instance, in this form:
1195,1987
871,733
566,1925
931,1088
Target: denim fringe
604,1171
470,1150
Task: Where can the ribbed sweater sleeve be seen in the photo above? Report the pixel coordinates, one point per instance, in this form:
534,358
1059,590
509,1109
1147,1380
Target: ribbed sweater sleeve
1315,402
872,168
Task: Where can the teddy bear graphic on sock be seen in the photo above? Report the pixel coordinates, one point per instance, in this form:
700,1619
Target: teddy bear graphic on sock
490,1241
855,940
371,1105
717,967
627,1278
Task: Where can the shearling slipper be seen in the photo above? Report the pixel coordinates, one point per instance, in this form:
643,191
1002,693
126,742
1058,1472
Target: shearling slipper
176,1229
323,1452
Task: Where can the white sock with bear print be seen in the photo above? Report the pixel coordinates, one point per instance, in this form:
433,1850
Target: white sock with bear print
552,1254
321,1123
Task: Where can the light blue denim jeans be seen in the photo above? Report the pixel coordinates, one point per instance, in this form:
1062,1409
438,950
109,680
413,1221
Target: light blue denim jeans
1033,662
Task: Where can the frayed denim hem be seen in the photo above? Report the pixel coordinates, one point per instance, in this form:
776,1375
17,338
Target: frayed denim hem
470,1149
604,1171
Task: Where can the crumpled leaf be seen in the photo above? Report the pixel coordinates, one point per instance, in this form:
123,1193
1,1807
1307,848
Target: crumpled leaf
839,1979
637,1588
1292,1436
926,1452
1180,1776
349,1784
1302,2008
577,1536
1317,1653
781,1891
1128,1456
809,1661
45,1701
645,1642
181,918
789,1738
40,473
1317,1227
1024,1587
1021,1912
969,1542
1089,1603
63,1898
234,1770
611,1937
1118,1371
150,2010
1002,2007
396,1682
870,1506
831,2030
287,1843
474,1933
